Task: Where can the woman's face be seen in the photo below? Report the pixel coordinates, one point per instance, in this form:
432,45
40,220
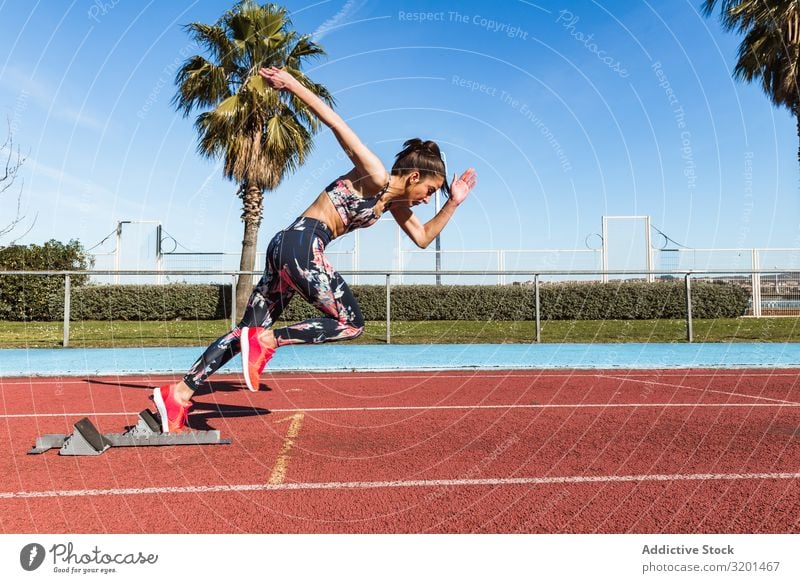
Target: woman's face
419,189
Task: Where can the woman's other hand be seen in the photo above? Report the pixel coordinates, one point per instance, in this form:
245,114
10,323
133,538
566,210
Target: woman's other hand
461,187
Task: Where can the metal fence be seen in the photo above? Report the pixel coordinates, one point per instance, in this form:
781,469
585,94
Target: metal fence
356,259
772,293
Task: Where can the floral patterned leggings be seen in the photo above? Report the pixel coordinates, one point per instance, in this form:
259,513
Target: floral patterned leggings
295,264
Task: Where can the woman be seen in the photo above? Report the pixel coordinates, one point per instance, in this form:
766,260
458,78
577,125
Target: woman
295,259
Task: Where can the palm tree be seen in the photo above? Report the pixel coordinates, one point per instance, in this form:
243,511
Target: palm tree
260,134
770,50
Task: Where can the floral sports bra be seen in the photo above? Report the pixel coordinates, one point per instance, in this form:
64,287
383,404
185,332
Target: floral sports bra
355,211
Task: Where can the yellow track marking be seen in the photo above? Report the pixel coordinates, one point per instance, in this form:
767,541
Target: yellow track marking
282,463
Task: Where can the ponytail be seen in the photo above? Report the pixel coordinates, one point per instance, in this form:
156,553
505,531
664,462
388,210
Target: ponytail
423,157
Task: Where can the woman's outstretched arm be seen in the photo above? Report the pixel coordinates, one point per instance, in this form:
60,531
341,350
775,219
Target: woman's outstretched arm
368,165
424,233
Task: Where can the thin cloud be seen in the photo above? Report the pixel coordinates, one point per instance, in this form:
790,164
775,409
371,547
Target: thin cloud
348,10
64,178
41,95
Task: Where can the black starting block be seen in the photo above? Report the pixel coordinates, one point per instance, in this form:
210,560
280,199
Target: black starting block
87,440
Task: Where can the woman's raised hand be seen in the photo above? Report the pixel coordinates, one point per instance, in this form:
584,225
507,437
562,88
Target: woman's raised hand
276,78
461,187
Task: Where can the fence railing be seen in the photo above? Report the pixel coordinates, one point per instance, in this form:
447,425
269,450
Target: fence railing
787,304
396,257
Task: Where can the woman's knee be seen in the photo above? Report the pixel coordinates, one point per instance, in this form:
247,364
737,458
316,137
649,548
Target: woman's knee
349,330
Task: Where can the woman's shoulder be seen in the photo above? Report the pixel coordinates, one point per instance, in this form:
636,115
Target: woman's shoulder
366,186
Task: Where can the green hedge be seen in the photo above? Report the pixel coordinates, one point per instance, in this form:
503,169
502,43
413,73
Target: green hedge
563,301
38,297
150,302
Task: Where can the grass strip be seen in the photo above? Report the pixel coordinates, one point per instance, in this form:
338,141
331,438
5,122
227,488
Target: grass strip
104,334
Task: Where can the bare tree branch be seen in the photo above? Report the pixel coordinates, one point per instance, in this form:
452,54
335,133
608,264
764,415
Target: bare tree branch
13,162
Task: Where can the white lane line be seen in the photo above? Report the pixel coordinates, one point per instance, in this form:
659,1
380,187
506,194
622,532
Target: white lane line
702,390
70,415
378,376
433,375
537,406
209,407
395,484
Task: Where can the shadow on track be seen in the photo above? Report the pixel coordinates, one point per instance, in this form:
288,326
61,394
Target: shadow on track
203,412
206,389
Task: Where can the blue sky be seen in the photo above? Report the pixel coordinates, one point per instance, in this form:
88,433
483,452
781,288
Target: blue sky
568,110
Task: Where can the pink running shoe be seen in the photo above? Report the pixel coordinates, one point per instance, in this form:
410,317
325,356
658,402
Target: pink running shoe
174,416
255,357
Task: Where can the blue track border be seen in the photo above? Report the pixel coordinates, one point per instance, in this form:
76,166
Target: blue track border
344,357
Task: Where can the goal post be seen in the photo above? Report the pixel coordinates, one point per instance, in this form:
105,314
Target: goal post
648,247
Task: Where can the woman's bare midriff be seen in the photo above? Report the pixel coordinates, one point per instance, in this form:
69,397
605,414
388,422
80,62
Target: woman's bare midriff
322,209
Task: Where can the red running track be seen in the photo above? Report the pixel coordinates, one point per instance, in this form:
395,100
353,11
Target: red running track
699,451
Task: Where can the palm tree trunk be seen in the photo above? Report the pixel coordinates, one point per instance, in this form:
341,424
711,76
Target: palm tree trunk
252,204
797,117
